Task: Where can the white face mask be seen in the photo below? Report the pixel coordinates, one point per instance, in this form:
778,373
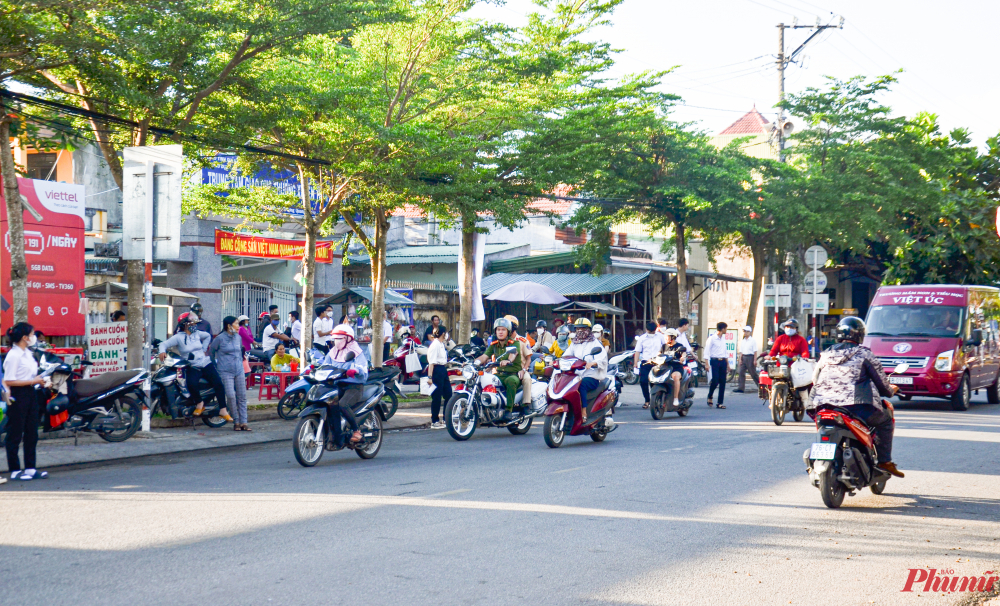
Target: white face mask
790,331
329,314
32,340
541,331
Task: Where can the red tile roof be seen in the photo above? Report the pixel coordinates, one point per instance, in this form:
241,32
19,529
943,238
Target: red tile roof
752,123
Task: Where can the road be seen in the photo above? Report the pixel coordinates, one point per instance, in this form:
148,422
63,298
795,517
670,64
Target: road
714,508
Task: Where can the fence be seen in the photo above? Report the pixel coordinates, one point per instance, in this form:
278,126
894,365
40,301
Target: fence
253,298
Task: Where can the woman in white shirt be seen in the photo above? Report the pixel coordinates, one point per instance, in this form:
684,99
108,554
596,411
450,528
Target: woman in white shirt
20,376
437,370
322,328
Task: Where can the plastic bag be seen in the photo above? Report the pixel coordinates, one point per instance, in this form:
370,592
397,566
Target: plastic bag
412,362
802,373
427,387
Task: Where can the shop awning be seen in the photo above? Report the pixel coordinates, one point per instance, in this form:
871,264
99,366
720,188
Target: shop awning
582,307
119,292
670,269
365,292
568,285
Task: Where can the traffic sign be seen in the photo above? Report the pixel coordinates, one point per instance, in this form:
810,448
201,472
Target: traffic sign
815,282
816,256
822,303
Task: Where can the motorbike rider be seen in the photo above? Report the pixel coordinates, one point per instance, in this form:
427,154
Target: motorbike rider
543,338
191,344
353,381
199,311
476,340
596,368
790,343
562,341
598,331
675,354
848,375
525,374
510,364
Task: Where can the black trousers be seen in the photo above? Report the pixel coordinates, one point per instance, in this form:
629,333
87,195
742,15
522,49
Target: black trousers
385,352
442,393
321,347
882,423
644,369
22,423
350,394
210,374
719,370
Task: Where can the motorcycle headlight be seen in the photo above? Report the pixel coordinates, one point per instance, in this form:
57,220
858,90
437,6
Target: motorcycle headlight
468,371
783,360
944,360
323,374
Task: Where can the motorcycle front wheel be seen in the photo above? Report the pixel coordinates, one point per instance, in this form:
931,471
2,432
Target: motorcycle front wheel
127,409
779,402
658,406
291,404
461,416
554,437
831,489
307,446
631,378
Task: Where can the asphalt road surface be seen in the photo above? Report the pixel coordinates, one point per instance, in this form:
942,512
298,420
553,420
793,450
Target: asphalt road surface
714,508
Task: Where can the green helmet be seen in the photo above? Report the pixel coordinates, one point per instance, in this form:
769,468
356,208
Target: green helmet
501,323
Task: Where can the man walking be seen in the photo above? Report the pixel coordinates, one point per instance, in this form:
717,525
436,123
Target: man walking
683,325
715,353
748,355
647,347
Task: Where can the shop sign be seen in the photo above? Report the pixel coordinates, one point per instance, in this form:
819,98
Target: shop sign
243,245
106,346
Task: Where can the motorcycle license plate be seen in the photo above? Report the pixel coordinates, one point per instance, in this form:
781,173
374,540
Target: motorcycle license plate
823,451
901,380
692,365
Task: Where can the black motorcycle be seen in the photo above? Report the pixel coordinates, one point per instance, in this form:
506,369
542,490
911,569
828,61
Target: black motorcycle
661,386
322,427
109,405
171,394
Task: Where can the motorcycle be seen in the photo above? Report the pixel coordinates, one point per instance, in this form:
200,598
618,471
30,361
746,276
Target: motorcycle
482,400
292,403
661,387
398,360
621,365
109,405
314,432
785,383
563,415
843,457
171,394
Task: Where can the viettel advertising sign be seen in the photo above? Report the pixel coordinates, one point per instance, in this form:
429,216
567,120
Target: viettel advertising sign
54,250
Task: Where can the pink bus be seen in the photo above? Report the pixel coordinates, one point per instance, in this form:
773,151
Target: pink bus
948,334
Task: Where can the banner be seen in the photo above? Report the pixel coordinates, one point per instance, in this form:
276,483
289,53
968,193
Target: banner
243,245
106,346
478,261
53,248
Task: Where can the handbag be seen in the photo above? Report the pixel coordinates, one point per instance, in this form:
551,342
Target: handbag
246,366
412,362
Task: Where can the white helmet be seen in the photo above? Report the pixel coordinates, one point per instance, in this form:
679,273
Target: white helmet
671,332
597,328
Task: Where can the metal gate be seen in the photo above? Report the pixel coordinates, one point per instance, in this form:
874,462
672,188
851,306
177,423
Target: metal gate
253,299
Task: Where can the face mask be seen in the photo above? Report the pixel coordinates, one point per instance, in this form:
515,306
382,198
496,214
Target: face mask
541,331
790,331
32,340
232,329
329,314
339,343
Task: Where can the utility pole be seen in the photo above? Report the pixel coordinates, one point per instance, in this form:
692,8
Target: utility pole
783,62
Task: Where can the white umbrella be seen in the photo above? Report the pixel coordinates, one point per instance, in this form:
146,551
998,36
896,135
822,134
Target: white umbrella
529,292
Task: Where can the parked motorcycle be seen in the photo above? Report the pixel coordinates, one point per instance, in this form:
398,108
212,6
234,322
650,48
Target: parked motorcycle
315,431
563,415
784,383
620,367
171,393
398,360
842,459
482,400
661,387
109,405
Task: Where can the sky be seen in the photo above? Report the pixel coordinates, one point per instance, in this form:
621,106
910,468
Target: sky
725,51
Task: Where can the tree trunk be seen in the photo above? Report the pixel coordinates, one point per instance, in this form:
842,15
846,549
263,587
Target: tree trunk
15,222
682,291
466,279
308,289
759,270
378,285
135,274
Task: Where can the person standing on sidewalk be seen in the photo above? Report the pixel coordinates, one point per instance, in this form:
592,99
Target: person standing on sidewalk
647,347
323,328
20,376
437,368
226,351
748,355
715,353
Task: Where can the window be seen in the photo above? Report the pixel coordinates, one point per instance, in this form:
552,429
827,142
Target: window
42,166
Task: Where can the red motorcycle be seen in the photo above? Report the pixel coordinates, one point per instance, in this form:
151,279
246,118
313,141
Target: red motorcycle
562,416
398,360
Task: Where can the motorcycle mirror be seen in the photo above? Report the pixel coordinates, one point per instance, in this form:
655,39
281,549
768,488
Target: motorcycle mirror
350,356
900,369
511,350
596,351
543,349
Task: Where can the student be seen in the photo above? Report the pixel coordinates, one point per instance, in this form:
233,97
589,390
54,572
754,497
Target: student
718,359
647,347
437,369
20,376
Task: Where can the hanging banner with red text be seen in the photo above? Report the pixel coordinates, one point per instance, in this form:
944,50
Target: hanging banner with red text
54,249
106,346
243,245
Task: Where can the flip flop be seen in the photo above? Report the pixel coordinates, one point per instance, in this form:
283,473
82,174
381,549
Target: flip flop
720,406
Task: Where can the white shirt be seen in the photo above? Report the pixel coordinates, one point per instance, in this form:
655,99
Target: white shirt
387,331
436,353
682,338
649,345
582,351
321,324
19,365
269,341
748,346
715,347
297,331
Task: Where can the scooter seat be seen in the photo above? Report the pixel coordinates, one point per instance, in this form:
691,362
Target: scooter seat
380,375
109,380
601,388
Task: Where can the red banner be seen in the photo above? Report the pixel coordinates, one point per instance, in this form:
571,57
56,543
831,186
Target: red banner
242,245
53,249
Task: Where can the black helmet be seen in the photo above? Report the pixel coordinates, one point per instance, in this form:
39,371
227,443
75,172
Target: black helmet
852,329
541,324
791,322
197,308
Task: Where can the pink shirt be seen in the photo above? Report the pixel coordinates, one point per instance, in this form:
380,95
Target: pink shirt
247,338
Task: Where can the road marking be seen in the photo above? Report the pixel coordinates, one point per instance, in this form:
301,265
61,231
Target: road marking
676,449
448,493
569,470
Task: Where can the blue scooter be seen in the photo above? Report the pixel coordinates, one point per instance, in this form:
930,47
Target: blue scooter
292,403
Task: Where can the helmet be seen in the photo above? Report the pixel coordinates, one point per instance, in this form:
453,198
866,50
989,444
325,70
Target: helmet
598,328
671,332
241,318
791,322
851,329
342,330
541,324
190,319
197,308
512,320
582,323
563,330
501,323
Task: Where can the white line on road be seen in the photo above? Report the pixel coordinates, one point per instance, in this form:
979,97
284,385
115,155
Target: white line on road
448,493
568,470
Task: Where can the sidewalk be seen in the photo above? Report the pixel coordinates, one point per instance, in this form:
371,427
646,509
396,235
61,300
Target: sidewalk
266,425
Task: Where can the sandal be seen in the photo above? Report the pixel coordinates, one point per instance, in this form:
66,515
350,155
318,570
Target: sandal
721,406
355,437
645,406
709,403
245,427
